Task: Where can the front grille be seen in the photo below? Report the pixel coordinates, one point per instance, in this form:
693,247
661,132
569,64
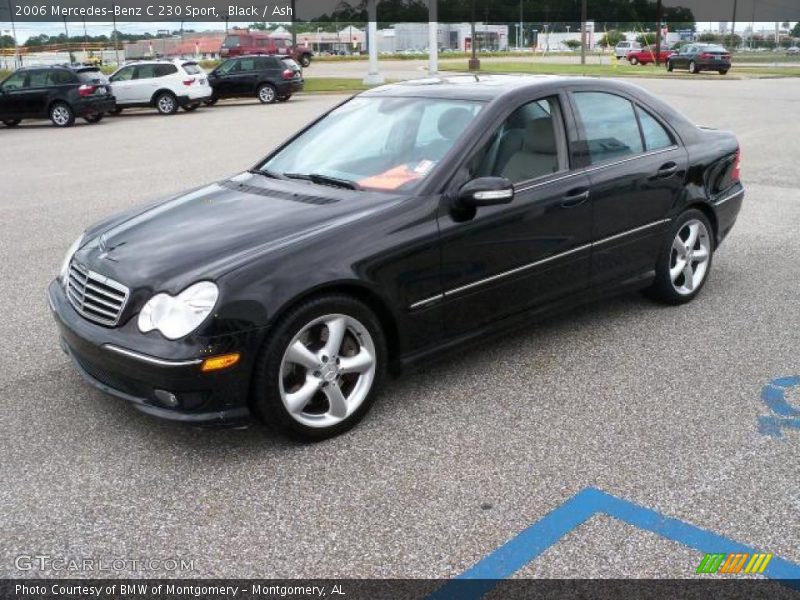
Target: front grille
95,296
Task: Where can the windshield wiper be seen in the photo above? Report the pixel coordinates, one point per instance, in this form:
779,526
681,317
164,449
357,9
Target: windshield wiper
325,180
266,173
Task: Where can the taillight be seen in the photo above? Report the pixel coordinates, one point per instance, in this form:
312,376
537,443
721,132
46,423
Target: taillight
288,74
86,90
188,81
737,166
706,56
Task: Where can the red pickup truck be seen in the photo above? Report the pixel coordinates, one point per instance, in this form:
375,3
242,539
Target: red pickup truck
242,42
647,55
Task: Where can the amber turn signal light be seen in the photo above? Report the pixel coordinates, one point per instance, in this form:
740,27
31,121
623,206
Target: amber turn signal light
215,363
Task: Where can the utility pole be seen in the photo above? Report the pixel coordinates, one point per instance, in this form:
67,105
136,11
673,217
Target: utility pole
584,18
433,38
521,35
659,21
294,27
733,26
69,48
474,63
114,33
17,57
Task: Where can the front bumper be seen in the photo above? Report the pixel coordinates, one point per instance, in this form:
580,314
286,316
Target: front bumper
105,359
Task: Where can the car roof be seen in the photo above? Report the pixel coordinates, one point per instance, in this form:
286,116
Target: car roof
486,87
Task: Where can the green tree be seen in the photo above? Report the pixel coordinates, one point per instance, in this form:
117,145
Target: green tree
611,38
796,31
572,44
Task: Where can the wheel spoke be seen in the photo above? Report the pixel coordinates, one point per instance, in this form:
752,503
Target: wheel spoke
676,271
300,355
297,401
357,364
679,246
701,255
336,399
688,277
694,232
336,330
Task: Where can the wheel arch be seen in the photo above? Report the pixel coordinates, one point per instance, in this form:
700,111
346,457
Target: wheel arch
711,215
157,93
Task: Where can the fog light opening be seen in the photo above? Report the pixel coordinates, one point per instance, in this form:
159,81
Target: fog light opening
216,363
166,398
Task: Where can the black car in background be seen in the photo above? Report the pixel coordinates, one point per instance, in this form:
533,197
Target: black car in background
701,57
60,93
413,218
268,78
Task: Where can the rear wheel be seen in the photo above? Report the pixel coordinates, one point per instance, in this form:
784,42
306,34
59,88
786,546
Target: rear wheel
267,93
693,67
319,370
633,60
284,98
166,103
210,101
685,259
93,118
115,111
305,60
723,71
670,66
62,115
12,122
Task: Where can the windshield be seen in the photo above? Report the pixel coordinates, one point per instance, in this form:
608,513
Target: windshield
377,143
231,41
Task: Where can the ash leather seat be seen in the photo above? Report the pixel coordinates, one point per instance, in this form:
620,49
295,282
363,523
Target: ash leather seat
529,153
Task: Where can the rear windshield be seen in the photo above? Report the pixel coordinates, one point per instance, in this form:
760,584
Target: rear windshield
192,69
94,76
713,48
231,41
291,64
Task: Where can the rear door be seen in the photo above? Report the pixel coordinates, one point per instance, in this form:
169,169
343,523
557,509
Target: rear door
222,77
502,260
34,97
243,81
636,167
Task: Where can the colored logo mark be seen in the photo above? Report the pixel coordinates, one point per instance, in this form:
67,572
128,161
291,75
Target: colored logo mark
784,414
734,562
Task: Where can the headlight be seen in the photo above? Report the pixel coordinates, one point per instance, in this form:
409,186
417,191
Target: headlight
177,316
68,258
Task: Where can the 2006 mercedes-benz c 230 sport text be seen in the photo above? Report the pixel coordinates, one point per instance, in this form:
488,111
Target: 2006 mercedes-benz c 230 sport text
412,218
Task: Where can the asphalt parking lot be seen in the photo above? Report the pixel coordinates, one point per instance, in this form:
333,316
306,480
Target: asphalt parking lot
661,407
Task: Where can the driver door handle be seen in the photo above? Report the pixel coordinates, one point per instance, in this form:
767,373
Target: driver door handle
667,170
575,198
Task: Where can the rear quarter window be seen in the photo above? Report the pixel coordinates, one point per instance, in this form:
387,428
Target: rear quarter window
59,77
192,69
90,77
164,70
610,126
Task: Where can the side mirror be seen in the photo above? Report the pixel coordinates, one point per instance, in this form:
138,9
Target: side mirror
486,191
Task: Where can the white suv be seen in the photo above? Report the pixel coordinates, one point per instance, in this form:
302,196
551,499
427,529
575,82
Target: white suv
621,50
164,84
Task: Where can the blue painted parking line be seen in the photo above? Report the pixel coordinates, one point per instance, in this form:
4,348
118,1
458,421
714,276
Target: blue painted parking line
533,541
784,414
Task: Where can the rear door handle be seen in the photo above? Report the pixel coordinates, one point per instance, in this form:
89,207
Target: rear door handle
667,170
575,198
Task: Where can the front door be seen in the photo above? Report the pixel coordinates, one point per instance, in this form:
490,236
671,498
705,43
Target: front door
636,168
243,81
122,85
505,259
10,94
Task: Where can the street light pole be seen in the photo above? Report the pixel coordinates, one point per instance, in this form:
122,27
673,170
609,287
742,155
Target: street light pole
584,17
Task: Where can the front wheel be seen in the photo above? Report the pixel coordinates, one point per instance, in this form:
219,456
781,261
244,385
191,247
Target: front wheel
117,110
685,259
284,98
633,60
267,94
693,68
723,71
166,104
12,122
305,60
210,101
191,107
93,118
319,370
62,115
670,66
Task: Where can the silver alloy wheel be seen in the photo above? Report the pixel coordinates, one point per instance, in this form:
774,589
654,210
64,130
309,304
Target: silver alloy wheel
166,104
60,115
266,94
689,258
327,370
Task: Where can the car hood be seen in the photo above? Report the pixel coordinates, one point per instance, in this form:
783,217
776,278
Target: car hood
214,229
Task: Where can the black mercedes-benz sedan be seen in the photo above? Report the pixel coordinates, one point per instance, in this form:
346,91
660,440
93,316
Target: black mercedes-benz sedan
408,220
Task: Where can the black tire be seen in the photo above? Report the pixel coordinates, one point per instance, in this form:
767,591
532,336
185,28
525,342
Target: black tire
284,98
191,107
115,111
723,71
693,68
62,115
633,60
266,93
12,122
663,288
305,60
670,66
93,118
211,101
166,103
267,383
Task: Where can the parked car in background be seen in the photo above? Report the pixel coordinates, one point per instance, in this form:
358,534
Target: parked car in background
701,57
268,78
411,219
648,54
165,85
621,50
58,93
793,51
242,42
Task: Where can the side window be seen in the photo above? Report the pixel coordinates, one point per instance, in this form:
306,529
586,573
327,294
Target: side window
38,79
226,67
655,136
264,64
531,143
125,74
247,64
164,70
145,72
610,126
262,42
16,81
